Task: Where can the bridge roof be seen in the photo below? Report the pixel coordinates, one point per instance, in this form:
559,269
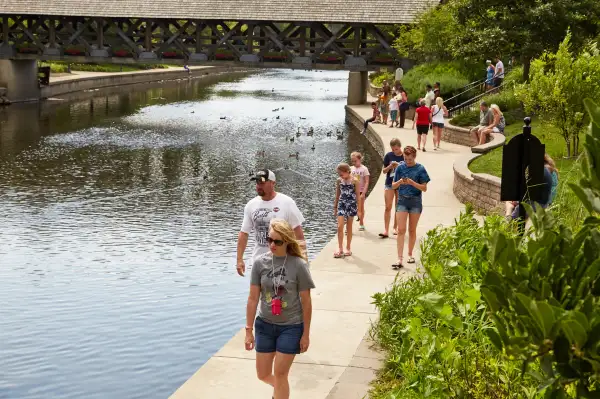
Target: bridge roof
355,11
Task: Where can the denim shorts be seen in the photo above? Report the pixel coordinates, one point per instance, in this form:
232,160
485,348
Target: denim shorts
388,187
438,124
277,338
409,204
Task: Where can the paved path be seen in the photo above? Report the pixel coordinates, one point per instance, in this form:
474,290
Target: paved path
76,75
339,363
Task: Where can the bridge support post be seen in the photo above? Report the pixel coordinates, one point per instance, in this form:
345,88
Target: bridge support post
21,80
357,88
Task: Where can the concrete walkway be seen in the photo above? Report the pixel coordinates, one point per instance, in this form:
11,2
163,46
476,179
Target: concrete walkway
339,363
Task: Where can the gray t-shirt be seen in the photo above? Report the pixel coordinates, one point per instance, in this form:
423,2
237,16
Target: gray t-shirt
485,118
296,278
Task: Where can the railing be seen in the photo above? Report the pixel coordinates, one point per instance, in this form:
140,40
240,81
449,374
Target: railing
453,101
471,103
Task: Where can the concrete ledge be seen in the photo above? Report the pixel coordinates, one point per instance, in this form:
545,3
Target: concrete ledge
496,140
357,121
70,85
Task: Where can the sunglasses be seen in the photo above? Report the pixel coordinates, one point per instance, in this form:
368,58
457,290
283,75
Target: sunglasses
277,243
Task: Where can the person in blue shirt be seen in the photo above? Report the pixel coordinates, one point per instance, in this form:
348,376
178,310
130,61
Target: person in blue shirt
490,72
391,160
410,179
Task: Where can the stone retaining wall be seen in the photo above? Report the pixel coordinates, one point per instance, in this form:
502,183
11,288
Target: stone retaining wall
457,135
3,96
480,190
356,121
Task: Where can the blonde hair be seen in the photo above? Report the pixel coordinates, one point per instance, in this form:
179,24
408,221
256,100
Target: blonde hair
497,108
439,102
283,228
550,163
356,154
343,167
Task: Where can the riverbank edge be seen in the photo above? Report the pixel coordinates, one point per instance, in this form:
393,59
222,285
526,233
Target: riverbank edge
353,377
100,80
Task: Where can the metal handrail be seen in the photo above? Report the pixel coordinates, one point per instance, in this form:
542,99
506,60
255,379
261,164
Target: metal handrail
473,100
470,86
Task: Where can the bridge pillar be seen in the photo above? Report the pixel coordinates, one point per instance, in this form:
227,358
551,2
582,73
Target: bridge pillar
21,80
357,88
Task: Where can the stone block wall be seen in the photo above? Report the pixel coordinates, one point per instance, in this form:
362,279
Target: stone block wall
357,121
457,135
480,190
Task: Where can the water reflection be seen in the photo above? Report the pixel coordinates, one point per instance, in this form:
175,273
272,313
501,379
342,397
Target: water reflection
119,215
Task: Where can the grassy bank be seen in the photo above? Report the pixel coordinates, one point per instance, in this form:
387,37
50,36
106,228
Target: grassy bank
63,67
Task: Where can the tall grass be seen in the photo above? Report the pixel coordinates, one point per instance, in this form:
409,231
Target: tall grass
450,75
63,67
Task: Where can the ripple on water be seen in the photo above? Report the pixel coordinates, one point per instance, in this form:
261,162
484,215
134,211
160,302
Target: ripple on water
119,220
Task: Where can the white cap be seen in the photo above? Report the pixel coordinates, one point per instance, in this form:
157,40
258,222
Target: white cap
264,175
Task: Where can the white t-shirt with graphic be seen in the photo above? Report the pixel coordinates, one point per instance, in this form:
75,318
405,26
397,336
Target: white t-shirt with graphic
360,174
258,215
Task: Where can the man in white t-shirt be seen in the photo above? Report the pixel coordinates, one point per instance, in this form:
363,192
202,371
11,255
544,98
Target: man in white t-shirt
499,74
258,213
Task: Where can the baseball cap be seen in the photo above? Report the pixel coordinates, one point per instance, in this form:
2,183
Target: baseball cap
263,176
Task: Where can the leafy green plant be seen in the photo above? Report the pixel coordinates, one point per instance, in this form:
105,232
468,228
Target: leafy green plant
378,78
543,291
435,328
466,118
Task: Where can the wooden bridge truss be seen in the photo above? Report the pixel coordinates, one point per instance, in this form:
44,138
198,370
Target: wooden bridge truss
351,46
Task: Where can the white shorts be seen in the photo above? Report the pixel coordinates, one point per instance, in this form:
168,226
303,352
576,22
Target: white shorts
496,130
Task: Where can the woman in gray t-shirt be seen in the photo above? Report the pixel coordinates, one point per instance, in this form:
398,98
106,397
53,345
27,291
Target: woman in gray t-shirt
280,285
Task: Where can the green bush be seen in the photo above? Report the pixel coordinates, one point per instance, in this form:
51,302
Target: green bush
435,328
377,78
543,291
506,100
451,75
466,119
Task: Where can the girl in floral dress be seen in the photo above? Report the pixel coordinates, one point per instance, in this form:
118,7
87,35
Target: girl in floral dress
346,204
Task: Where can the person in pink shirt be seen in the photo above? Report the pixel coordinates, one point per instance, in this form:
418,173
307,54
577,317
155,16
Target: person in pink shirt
361,173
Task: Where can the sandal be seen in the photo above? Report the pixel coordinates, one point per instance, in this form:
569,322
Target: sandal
410,260
348,253
338,254
381,235
397,265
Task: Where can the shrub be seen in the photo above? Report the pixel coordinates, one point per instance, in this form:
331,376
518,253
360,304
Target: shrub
506,100
451,75
467,118
377,78
435,327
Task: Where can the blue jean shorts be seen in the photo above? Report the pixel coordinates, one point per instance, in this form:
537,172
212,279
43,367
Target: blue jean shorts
277,338
388,187
409,204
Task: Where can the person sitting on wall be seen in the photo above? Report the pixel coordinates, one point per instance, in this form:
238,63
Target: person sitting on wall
485,120
497,126
372,119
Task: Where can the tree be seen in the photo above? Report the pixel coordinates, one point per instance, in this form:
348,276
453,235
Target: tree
478,29
558,84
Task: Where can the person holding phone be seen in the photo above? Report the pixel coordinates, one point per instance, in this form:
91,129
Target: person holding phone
391,160
280,285
410,179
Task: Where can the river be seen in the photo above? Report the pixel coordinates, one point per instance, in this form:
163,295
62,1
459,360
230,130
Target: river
119,215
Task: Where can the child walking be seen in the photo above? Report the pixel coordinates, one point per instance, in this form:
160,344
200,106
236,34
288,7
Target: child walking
347,199
361,173
394,107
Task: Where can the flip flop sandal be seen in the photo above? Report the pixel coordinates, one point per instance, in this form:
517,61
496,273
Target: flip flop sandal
348,253
397,265
381,235
338,255
411,260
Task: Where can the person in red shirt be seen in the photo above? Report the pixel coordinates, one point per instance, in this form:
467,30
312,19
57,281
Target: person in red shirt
422,121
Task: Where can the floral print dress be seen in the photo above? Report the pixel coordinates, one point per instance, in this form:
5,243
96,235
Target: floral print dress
347,204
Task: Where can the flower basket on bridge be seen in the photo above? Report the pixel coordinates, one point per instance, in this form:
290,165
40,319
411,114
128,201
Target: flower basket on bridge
122,53
75,50
275,56
331,58
384,59
27,48
224,55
